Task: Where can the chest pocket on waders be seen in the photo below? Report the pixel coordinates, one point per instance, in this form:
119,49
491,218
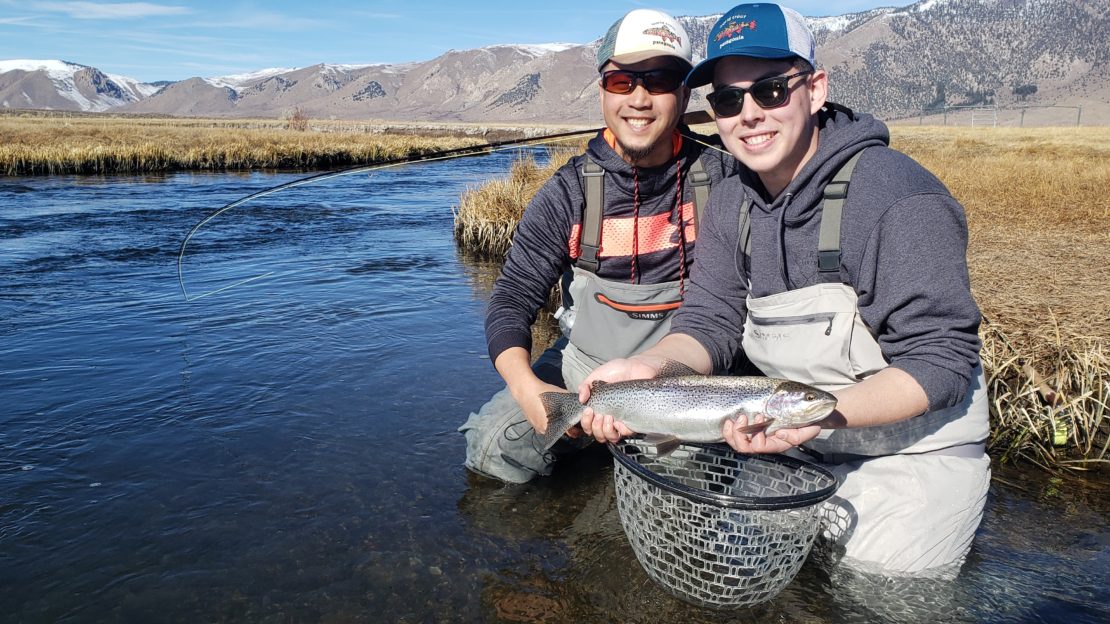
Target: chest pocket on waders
813,334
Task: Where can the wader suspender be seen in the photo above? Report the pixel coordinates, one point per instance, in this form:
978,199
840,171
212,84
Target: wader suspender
832,209
593,179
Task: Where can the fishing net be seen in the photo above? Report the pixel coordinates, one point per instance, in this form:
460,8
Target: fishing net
714,527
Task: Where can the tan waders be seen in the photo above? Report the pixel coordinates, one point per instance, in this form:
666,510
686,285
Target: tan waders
911,493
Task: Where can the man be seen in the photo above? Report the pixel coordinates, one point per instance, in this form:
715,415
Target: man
622,218
853,279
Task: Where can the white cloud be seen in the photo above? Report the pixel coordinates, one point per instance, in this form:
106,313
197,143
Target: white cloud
118,10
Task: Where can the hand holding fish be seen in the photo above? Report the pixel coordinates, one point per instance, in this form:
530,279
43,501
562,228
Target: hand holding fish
527,395
760,441
603,427
680,404
621,369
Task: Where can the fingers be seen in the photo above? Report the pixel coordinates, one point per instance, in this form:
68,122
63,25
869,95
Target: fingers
604,428
587,421
799,436
760,442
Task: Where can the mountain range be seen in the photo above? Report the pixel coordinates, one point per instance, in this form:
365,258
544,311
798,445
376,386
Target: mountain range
893,62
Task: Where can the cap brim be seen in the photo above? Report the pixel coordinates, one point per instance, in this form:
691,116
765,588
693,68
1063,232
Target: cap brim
635,57
702,74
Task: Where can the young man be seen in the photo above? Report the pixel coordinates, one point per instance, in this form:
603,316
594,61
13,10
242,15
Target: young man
622,218
854,279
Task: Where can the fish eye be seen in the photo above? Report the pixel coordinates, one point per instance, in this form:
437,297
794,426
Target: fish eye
810,396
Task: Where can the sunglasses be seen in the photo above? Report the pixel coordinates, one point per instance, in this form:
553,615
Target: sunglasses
767,93
656,81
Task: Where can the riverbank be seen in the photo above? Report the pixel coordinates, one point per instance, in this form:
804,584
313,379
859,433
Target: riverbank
51,143
1037,219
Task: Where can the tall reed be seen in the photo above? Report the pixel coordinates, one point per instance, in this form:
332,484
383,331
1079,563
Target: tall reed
487,215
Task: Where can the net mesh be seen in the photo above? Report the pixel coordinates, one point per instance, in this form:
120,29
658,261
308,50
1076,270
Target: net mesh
714,527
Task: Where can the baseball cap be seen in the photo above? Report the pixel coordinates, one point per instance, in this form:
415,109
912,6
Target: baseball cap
642,34
762,30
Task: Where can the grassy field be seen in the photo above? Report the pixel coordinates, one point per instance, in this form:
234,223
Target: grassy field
35,144
1039,241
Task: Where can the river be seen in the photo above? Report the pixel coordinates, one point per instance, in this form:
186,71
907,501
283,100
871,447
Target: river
285,449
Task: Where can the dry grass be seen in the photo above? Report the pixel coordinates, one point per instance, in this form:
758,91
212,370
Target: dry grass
488,214
1037,215
1039,242
1058,421
31,145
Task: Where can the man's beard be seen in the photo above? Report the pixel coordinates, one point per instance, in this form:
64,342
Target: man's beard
636,154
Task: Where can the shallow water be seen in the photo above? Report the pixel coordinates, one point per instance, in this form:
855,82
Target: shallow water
285,450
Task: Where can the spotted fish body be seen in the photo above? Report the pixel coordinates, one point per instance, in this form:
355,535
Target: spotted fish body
692,408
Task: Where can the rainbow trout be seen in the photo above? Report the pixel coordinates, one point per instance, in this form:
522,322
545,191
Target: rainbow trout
691,408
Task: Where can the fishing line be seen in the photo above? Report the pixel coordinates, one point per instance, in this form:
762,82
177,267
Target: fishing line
434,156
694,117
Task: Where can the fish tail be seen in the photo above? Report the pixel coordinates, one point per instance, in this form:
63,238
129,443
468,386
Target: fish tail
563,412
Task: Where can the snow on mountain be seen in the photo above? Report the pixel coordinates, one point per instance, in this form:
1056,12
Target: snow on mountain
237,80
61,85
140,89
890,61
537,49
57,70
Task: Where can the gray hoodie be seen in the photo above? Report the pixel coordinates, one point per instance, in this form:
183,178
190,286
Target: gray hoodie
903,250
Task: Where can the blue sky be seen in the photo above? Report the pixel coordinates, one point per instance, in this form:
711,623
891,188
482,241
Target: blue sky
173,40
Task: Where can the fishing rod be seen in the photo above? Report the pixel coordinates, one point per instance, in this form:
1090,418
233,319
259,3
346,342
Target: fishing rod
691,118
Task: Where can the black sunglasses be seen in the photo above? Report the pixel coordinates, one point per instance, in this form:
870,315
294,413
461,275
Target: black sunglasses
767,93
656,81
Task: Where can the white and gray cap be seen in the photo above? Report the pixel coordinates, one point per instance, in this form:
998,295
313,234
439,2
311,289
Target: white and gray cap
642,34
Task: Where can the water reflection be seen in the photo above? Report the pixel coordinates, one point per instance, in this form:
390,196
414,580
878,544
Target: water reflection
482,272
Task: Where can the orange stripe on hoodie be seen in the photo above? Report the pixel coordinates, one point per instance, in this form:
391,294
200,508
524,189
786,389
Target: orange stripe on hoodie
656,233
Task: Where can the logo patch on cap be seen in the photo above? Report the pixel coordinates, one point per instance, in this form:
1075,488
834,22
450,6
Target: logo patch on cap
733,31
667,37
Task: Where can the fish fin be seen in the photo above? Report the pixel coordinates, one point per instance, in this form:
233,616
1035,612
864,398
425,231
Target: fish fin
756,427
563,412
674,368
664,444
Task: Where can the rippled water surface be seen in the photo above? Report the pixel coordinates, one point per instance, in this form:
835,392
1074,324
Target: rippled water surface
285,449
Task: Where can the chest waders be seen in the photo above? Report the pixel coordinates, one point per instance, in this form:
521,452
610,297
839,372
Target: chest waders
816,335
601,319
606,319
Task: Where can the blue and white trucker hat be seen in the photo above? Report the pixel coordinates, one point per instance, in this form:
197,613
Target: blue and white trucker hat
642,34
761,30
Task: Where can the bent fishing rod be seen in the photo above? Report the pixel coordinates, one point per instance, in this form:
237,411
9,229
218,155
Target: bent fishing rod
691,118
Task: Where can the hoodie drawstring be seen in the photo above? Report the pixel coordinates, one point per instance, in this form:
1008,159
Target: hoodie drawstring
681,232
635,222
782,243
676,215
